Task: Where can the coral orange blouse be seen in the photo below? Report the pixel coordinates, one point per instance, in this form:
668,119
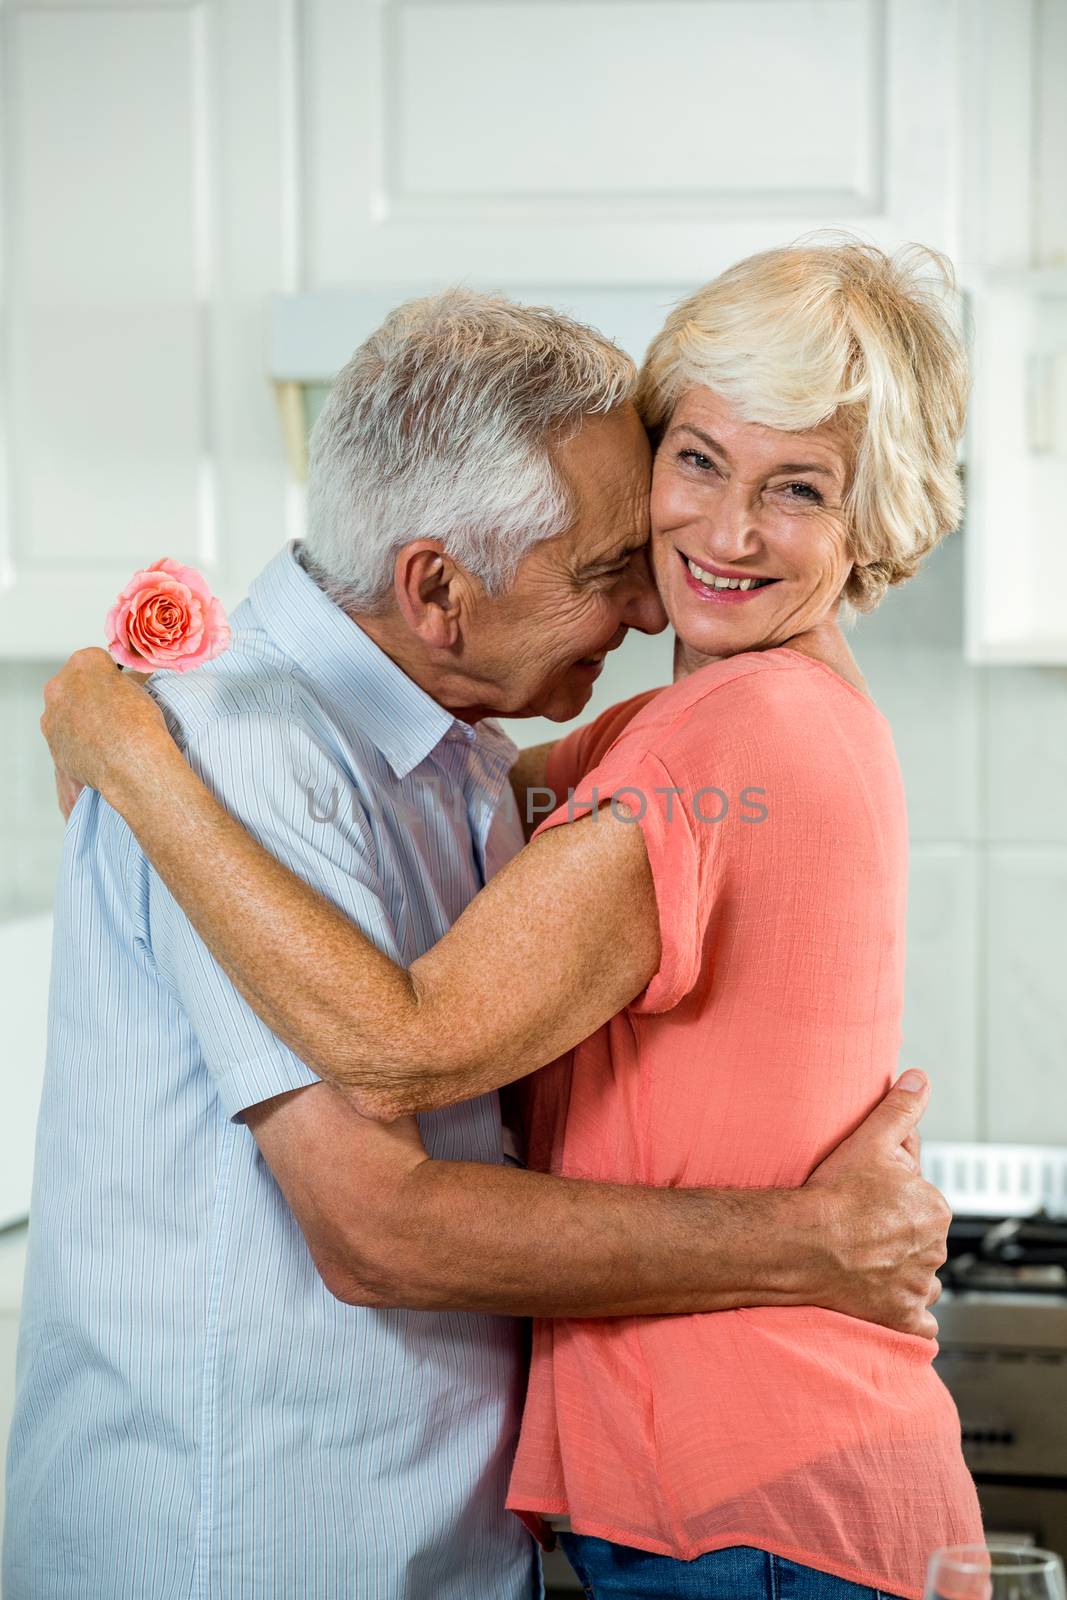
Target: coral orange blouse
769,1031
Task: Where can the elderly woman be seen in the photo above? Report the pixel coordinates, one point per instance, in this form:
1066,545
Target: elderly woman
712,922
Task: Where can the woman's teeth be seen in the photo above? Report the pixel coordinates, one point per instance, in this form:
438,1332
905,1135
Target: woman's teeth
712,582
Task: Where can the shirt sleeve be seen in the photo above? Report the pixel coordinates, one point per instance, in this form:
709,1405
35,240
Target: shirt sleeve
297,801
636,783
579,751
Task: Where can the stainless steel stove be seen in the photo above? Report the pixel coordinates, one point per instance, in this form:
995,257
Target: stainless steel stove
1003,1329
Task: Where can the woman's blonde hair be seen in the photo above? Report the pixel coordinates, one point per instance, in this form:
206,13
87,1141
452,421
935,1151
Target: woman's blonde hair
820,330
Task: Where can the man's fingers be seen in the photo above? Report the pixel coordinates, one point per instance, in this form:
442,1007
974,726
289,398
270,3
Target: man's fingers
910,1152
936,1290
890,1123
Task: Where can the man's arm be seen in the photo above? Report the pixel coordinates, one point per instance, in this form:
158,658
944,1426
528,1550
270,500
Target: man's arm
529,783
386,1226
544,773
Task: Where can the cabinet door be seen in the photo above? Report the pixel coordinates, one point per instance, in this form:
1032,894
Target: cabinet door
1017,452
167,166
589,141
144,230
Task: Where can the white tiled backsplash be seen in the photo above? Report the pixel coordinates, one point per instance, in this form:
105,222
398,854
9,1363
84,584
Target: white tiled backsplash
984,752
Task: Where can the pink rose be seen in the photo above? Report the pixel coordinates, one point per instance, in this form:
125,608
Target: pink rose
166,617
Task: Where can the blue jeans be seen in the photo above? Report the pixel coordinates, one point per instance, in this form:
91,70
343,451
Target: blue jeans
616,1572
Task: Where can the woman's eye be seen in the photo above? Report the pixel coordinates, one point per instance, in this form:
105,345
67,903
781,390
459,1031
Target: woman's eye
804,491
696,458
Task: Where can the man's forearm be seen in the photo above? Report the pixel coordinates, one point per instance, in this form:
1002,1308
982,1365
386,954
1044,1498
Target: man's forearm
474,1237
528,782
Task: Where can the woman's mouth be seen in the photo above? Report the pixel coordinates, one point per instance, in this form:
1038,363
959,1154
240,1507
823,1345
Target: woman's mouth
725,590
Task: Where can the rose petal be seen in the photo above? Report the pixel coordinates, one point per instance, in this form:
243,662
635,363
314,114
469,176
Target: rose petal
166,616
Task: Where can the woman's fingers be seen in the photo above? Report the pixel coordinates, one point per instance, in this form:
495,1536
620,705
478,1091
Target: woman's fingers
67,792
96,718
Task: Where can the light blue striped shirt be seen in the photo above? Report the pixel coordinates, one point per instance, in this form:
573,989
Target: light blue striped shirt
196,1415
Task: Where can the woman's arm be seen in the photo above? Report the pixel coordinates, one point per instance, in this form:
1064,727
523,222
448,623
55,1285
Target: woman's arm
559,942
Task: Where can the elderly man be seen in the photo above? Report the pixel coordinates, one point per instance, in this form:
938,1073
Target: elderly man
260,1357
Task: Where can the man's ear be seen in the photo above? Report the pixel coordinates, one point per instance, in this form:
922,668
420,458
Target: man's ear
433,593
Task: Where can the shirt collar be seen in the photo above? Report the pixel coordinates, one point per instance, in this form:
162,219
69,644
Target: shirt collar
380,700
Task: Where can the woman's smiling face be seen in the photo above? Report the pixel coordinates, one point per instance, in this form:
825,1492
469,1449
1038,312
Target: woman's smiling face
735,500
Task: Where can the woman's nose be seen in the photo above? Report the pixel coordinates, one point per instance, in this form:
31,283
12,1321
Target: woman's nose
732,528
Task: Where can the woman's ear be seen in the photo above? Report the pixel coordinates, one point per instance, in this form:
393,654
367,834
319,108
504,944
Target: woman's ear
433,593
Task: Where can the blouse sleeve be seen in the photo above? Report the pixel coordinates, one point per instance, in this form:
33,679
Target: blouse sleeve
639,788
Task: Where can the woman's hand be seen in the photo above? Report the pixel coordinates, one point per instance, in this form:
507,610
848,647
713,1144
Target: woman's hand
99,723
67,791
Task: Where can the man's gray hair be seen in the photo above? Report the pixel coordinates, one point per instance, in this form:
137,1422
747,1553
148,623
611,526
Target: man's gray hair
441,426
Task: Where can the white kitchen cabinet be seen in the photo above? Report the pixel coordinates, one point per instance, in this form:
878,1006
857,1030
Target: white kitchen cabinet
1017,471
605,157
1015,264
590,142
168,168
145,219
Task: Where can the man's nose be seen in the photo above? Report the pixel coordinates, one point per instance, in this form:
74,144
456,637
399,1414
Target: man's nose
643,609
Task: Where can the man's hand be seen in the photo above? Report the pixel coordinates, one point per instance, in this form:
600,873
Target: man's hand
98,722
886,1227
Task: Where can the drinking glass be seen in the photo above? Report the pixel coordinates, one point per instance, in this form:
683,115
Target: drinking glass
995,1572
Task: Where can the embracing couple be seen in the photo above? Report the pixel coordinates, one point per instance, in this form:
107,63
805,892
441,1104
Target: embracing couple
338,1093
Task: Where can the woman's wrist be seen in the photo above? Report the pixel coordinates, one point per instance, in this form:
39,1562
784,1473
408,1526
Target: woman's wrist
141,765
